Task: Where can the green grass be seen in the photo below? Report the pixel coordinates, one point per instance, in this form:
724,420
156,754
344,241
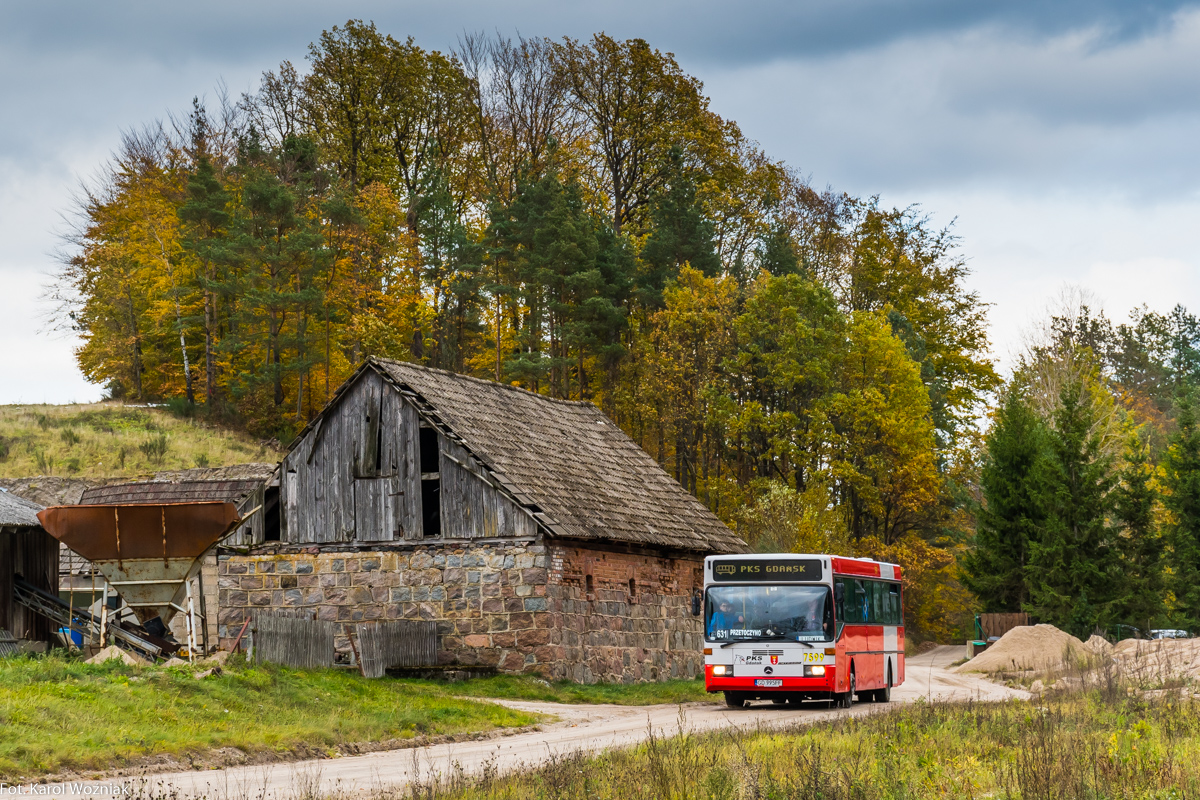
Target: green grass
59,713
511,687
1086,746
105,440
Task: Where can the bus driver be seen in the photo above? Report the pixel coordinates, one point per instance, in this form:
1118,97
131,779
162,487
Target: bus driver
724,619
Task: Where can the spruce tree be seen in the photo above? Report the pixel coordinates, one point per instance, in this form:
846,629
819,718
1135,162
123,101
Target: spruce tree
1073,571
1140,542
776,252
1014,507
1181,479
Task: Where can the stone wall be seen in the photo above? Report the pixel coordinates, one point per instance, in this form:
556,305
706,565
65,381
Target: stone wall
485,597
515,606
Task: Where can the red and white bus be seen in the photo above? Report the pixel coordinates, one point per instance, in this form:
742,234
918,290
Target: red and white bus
788,627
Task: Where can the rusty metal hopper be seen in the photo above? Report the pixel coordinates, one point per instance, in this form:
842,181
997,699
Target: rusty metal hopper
146,552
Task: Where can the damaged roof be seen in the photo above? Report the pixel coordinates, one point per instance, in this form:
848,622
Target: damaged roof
580,474
17,512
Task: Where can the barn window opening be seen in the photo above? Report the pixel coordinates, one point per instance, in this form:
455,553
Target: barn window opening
632,587
588,585
431,484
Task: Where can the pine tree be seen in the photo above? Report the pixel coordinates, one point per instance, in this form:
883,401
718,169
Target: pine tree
206,217
682,234
1073,571
1181,480
1014,507
1140,542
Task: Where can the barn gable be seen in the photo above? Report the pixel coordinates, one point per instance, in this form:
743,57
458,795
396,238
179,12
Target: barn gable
409,453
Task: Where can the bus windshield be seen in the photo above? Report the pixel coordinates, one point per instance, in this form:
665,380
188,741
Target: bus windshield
766,613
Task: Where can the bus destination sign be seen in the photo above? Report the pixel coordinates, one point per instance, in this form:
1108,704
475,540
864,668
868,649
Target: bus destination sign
767,570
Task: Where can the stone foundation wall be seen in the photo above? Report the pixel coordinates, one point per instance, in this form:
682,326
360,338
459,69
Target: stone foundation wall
473,592
518,607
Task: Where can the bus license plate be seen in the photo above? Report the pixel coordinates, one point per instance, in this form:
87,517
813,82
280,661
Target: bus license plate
768,682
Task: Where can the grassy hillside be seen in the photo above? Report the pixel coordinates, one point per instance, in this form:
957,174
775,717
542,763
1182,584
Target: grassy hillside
112,440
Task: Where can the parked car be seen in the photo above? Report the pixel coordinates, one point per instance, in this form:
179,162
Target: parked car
1169,633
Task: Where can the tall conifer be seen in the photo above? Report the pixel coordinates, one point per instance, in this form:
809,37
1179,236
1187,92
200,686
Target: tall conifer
1181,479
1073,571
1014,507
1140,542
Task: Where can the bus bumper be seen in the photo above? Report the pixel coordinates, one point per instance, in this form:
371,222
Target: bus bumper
750,683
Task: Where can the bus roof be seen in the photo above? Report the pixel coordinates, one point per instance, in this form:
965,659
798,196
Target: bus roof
842,565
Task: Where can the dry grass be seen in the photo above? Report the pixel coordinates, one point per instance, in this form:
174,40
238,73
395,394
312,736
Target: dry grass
113,440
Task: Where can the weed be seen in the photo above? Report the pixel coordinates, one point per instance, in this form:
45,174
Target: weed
4,448
72,465
45,463
69,436
122,454
202,460
155,449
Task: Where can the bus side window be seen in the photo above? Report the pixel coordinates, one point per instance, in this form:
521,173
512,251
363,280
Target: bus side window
862,603
879,602
895,614
839,599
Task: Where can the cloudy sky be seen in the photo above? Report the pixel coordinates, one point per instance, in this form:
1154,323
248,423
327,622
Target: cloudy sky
1059,138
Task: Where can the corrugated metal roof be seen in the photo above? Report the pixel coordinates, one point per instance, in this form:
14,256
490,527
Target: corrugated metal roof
17,512
146,492
566,459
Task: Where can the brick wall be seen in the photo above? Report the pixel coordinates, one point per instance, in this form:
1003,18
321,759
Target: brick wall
516,607
611,634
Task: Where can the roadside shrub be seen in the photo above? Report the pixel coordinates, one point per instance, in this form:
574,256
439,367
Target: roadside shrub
45,463
4,448
70,437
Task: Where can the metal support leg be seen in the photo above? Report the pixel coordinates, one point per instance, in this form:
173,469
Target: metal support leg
191,622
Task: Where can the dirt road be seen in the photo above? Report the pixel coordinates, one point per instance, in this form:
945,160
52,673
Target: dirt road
586,728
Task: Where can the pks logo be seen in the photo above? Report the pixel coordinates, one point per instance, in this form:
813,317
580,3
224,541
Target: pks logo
774,659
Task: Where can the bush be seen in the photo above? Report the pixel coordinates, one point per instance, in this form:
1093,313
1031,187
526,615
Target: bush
4,448
155,449
70,437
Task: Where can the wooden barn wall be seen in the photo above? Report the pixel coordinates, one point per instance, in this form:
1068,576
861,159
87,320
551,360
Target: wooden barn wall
252,531
470,507
334,488
32,554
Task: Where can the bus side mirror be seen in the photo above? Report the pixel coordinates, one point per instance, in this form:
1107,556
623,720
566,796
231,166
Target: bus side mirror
695,603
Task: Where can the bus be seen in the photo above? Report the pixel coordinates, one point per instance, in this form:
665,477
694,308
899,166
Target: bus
790,627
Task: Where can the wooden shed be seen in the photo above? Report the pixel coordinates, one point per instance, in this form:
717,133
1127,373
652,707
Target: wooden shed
539,536
29,552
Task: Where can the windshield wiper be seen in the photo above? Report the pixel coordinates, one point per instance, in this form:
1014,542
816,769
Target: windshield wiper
809,645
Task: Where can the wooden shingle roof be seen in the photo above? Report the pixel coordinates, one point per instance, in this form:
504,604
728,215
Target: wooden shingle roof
17,512
580,474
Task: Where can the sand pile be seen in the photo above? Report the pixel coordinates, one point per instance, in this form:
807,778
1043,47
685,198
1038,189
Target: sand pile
1159,659
112,651
1039,648
1099,645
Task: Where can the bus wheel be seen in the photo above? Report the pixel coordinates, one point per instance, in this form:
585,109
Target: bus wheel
735,699
847,698
884,695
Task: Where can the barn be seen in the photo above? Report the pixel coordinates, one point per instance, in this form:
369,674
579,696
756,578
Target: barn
536,534
28,552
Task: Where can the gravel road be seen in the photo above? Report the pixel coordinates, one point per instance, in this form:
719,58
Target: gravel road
580,727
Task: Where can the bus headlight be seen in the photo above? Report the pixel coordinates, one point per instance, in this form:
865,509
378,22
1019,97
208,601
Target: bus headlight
722,669
815,672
